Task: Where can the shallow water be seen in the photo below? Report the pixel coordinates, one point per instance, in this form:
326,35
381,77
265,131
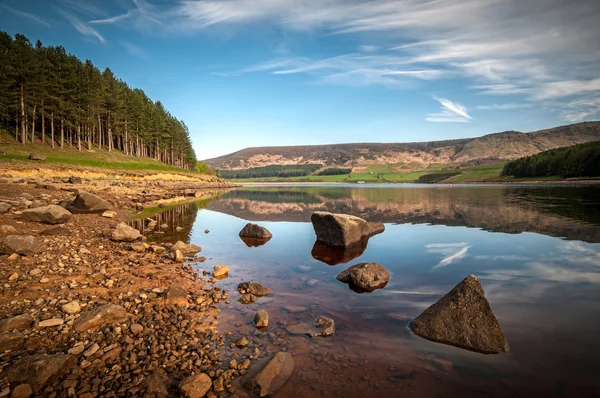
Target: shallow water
535,250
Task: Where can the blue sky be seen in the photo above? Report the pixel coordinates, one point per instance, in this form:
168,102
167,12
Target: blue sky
246,73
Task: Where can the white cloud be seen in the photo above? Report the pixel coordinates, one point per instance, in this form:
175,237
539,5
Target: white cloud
82,27
502,107
368,48
134,49
452,252
452,112
27,15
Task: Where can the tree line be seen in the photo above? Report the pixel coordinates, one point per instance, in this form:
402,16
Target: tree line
295,170
581,160
49,95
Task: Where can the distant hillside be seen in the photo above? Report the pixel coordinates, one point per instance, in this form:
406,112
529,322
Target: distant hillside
496,147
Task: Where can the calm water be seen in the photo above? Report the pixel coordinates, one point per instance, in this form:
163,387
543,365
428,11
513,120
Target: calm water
536,251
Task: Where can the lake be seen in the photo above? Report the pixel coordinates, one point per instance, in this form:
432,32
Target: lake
535,249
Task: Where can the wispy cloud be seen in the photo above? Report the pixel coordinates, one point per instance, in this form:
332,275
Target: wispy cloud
81,26
142,14
452,252
450,112
134,49
503,107
26,15
368,48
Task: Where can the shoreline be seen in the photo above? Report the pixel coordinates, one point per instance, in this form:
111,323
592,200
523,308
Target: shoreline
537,182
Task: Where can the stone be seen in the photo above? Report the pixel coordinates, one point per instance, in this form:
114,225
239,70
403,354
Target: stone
7,229
77,349
164,226
109,214
158,249
11,341
86,202
40,370
341,230
37,156
139,247
178,256
125,233
136,328
462,318
256,289
27,196
24,245
261,319
195,386
75,180
21,391
187,249
51,214
49,323
365,277
178,229
4,207
157,384
14,257
152,224
176,296
241,342
269,375
107,314
13,277
325,327
56,231
19,322
92,350
255,231
220,270
72,307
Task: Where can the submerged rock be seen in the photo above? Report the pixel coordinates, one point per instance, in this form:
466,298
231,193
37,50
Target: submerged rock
125,233
269,375
255,231
365,277
86,202
261,319
462,318
253,288
52,214
325,327
342,229
24,245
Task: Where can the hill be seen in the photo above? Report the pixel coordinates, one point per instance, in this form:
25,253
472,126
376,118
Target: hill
492,148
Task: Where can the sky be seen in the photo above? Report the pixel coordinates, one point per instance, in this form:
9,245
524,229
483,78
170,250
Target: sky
243,73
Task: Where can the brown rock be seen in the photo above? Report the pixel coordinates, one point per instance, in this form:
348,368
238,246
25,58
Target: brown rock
51,214
86,202
157,385
107,314
124,233
40,370
365,277
178,256
220,270
136,328
56,231
462,318
342,229
21,391
176,296
187,249
325,327
255,231
11,341
19,322
139,247
261,319
253,288
24,245
270,374
196,386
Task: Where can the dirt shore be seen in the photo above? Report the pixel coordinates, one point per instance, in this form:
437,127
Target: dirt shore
83,315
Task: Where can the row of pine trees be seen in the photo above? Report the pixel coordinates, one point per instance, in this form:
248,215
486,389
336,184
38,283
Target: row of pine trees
48,95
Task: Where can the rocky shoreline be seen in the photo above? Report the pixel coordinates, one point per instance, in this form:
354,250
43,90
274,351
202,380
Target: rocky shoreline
84,315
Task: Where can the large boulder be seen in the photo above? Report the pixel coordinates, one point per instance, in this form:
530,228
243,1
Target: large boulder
107,314
195,386
187,249
40,370
255,231
462,318
19,322
24,245
269,375
52,214
365,277
11,341
125,233
342,229
5,207
86,202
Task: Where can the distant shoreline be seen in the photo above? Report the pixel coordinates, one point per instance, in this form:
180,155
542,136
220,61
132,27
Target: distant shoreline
525,182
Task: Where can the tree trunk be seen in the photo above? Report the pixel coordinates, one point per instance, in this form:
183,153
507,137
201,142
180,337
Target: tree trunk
62,132
99,132
125,146
43,125
52,128
33,125
23,136
78,137
90,130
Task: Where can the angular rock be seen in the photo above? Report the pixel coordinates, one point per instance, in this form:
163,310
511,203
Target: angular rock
109,214
27,196
52,214
139,247
56,231
24,245
19,322
341,230
11,341
462,318
49,323
255,231
72,307
125,233
4,207
40,370
75,180
37,156
136,328
269,375
325,327
253,288
7,229
176,296
178,256
106,314
195,386
157,385
186,249
365,277
86,202
261,319
220,270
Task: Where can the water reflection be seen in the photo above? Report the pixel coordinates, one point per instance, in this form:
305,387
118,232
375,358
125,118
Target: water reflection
338,255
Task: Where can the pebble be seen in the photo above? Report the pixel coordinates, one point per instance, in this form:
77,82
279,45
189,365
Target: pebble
51,323
13,277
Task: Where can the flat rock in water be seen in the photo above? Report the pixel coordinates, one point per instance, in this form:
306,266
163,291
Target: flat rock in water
256,289
125,233
341,230
56,231
19,322
365,277
40,370
24,245
86,202
269,375
52,214
107,314
462,318
220,270
255,231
